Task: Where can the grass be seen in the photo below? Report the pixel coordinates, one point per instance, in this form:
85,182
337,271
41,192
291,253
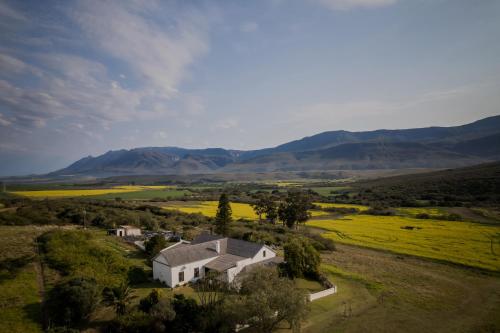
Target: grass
310,286
115,191
466,243
383,292
361,208
411,211
20,301
327,190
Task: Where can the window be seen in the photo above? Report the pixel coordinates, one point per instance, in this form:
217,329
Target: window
181,276
264,253
197,272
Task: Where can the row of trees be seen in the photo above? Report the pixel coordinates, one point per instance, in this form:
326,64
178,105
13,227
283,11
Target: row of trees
292,211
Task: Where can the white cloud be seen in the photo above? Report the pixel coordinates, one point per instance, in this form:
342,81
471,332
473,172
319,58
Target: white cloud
350,4
158,56
249,27
154,45
224,124
328,116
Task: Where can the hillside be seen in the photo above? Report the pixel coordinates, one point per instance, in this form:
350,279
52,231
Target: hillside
432,147
475,185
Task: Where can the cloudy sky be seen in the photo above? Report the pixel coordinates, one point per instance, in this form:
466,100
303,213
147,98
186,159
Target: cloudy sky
80,78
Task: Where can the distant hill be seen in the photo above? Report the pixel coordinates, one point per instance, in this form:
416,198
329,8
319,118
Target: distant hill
473,185
432,147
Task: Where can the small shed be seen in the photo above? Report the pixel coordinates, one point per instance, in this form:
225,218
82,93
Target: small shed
127,231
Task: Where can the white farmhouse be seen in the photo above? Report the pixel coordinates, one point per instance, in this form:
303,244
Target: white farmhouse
183,263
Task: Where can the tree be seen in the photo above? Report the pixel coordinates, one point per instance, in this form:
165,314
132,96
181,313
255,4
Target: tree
301,258
118,297
269,300
259,207
154,245
149,301
72,302
294,209
223,217
265,204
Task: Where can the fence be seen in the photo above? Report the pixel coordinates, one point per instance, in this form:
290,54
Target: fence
322,293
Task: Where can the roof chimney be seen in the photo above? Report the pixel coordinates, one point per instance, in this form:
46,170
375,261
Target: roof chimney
217,246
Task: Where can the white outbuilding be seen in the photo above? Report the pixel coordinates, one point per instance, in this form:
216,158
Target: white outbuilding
127,231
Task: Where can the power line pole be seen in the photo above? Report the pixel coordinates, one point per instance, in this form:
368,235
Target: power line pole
84,218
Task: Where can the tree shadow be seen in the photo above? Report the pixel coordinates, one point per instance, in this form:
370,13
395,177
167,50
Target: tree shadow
10,267
33,311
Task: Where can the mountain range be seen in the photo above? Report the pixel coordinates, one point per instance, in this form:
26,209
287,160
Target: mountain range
430,147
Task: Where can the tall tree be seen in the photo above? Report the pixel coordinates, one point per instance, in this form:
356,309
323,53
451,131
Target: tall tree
301,258
154,245
295,209
266,204
268,300
259,207
224,215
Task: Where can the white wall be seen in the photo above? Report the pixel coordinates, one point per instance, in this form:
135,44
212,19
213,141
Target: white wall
161,271
133,232
170,275
232,272
323,293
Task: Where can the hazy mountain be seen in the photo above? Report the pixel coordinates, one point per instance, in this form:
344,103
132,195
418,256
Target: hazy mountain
432,147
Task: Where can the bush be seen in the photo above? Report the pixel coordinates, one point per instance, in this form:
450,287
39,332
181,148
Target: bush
321,243
137,275
155,245
149,301
72,302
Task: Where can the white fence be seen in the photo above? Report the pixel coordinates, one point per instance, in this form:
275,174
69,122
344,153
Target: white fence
322,293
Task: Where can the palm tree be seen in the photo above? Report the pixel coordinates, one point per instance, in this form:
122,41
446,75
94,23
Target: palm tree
118,297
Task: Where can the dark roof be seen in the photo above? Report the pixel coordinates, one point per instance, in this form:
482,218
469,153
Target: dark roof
180,255
242,248
205,237
235,249
224,262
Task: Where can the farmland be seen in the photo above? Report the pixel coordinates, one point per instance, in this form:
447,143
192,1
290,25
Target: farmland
136,192
209,208
466,243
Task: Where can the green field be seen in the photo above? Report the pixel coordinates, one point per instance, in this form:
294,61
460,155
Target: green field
383,292
20,291
327,190
464,243
361,208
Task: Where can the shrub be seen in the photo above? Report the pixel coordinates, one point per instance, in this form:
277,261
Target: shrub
72,302
137,275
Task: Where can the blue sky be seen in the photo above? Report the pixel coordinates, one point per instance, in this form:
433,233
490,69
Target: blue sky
80,78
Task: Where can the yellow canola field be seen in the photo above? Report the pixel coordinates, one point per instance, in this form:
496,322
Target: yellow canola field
465,243
84,192
209,208
341,205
